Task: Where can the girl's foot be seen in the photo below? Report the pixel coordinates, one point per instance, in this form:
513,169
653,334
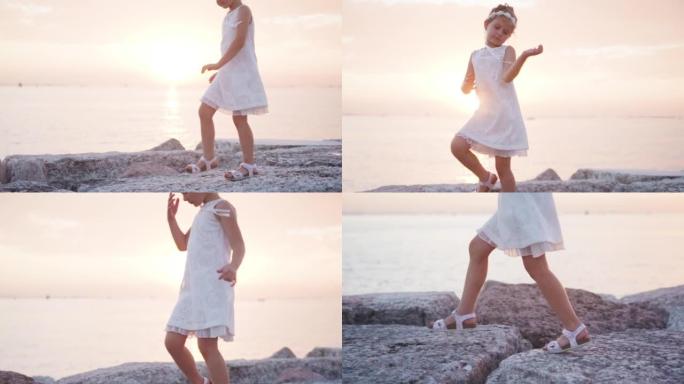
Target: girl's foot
245,170
455,321
488,184
569,340
202,165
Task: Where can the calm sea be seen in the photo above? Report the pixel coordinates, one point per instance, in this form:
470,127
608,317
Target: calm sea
415,150
60,337
618,254
72,119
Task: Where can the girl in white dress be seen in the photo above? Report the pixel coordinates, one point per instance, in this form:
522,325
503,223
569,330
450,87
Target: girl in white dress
526,225
236,88
215,250
497,128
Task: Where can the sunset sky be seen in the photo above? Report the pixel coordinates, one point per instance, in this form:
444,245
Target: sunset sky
160,41
609,57
119,245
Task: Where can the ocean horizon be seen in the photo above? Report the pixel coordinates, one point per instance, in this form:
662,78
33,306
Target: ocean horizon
84,119
404,150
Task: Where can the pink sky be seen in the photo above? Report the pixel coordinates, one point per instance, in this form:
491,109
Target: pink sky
609,57
119,245
130,42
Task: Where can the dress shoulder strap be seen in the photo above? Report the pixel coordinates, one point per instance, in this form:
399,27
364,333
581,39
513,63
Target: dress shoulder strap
218,211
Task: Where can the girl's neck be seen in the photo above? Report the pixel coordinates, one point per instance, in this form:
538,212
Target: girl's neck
235,5
210,197
490,45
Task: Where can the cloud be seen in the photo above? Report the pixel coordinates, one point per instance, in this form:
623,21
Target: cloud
620,51
51,223
309,21
27,8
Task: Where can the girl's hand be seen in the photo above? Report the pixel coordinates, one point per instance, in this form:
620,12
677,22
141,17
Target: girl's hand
534,51
228,273
212,77
210,67
172,206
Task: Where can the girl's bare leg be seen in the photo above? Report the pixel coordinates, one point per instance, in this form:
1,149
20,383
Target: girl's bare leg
218,373
206,115
475,277
503,169
477,274
175,344
246,142
246,138
554,293
461,150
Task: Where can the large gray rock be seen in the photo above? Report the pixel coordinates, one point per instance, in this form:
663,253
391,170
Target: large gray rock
283,168
169,145
29,169
584,180
632,356
3,172
410,308
395,354
267,371
548,175
8,377
284,353
671,299
44,380
523,306
325,352
624,176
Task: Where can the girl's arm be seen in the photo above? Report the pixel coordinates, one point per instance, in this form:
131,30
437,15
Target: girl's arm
244,18
180,238
232,230
512,65
469,81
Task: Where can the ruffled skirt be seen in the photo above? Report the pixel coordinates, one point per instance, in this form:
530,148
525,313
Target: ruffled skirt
525,224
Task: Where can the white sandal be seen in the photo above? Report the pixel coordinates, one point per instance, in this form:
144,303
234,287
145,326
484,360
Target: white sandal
194,168
458,320
489,184
554,346
237,175
206,381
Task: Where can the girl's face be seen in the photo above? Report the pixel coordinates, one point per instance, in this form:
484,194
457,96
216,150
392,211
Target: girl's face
194,198
499,30
225,3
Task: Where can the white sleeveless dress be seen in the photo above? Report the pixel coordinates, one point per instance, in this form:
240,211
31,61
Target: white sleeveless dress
497,127
237,87
205,303
525,224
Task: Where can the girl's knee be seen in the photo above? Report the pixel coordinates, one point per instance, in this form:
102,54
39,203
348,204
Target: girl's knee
477,252
503,168
459,146
239,120
207,346
205,112
173,343
535,267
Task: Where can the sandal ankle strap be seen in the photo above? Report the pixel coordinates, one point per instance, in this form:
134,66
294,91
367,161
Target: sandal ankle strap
572,335
459,319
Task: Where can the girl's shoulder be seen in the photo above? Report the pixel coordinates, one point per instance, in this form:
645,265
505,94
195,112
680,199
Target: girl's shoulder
224,207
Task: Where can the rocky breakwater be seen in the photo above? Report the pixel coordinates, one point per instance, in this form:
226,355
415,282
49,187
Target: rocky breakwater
583,180
296,167
320,366
385,339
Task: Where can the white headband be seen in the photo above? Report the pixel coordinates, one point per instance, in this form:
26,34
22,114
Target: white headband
504,14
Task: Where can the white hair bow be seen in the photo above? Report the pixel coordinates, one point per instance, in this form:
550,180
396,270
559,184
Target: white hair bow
504,14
